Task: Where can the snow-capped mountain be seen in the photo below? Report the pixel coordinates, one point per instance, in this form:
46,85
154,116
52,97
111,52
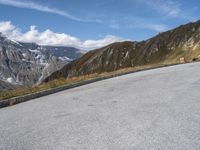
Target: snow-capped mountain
25,64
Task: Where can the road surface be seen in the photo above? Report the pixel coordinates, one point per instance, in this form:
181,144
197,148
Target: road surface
151,110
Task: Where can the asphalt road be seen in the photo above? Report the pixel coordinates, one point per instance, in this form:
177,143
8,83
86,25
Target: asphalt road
151,110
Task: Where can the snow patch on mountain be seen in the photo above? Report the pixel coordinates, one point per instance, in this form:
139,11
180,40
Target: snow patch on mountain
15,42
10,80
65,58
24,64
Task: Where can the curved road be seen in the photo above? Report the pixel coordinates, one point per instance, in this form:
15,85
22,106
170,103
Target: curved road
149,110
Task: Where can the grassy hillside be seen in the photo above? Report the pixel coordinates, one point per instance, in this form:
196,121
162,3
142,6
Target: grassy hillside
178,45
66,81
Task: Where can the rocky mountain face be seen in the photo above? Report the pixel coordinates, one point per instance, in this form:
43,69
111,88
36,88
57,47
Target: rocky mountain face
180,44
25,64
5,86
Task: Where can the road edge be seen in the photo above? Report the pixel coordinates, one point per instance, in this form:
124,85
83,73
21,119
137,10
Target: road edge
32,96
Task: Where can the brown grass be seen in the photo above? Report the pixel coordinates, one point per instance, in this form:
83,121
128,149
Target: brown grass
60,82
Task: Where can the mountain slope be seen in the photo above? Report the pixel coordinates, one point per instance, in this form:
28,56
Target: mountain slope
182,43
25,64
6,86
61,52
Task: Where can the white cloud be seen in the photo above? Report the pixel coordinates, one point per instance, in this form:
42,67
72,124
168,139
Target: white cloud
170,8
133,22
6,27
39,7
102,42
49,37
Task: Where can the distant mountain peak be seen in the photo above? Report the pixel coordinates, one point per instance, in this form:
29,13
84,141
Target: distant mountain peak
28,63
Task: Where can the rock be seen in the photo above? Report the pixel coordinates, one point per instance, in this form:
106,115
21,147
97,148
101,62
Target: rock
182,60
25,64
165,47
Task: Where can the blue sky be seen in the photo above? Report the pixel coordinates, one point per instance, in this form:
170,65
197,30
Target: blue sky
90,24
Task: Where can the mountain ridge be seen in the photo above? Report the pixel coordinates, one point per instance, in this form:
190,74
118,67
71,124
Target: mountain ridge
25,64
179,44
